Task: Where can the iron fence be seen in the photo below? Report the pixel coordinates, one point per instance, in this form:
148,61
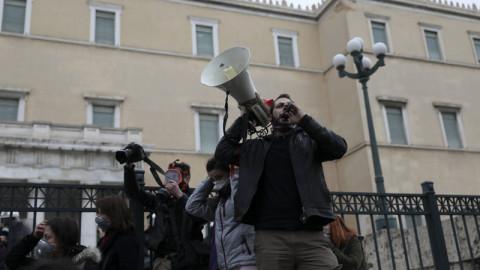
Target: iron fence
422,231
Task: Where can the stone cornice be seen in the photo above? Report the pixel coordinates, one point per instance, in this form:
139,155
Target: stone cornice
316,12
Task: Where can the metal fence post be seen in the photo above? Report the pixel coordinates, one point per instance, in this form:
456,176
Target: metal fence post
434,225
138,218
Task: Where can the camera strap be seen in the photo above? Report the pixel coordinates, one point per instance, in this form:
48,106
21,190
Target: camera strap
153,169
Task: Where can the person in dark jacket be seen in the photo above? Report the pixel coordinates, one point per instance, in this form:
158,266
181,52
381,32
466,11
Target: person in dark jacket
3,249
119,246
282,189
176,237
345,244
55,239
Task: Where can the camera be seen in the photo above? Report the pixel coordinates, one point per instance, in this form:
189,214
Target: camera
162,195
131,153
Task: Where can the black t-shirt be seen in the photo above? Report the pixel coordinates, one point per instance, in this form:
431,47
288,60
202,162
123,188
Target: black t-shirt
277,203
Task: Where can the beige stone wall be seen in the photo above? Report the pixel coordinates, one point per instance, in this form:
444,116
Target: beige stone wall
154,71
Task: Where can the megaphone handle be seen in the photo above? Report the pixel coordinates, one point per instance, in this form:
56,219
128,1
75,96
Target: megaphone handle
225,117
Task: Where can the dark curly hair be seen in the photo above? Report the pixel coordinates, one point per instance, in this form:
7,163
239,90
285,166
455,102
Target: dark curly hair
184,167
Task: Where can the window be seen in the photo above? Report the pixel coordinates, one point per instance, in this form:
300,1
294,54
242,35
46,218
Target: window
208,127
451,125
476,45
395,118
204,36
15,16
12,104
431,36
286,51
103,116
379,29
105,23
103,111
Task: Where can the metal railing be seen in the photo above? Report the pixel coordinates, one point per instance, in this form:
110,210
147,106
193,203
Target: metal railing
433,232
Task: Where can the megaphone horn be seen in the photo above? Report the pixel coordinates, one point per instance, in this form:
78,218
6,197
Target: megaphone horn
229,72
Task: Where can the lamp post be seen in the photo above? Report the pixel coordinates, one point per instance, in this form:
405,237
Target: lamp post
364,71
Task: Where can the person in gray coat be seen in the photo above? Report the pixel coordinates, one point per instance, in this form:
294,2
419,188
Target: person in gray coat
233,240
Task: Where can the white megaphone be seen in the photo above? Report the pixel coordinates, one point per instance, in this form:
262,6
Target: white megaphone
228,71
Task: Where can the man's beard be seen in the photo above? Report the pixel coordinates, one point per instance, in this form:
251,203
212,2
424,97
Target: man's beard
280,126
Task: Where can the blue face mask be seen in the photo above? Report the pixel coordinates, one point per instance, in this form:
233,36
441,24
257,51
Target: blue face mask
45,249
102,223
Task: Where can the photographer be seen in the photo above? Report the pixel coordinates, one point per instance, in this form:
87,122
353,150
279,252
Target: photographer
176,237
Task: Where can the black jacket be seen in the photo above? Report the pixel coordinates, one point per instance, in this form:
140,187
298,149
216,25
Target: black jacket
310,145
120,252
163,238
80,255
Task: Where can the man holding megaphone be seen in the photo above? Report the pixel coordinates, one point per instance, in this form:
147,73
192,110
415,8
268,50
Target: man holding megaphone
282,190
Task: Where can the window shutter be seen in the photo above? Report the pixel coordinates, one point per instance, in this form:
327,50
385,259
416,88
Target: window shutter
103,116
395,125
105,27
8,109
379,33
209,136
14,16
451,129
285,49
204,40
432,45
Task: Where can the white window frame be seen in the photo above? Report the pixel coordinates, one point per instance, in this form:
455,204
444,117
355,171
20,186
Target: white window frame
16,93
115,101
399,103
433,28
451,108
117,9
28,16
475,36
380,19
194,21
206,109
287,34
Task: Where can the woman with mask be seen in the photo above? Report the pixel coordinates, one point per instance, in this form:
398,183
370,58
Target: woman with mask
119,245
233,240
55,239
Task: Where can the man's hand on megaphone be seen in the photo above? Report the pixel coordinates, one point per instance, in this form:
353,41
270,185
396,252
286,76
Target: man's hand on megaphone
295,114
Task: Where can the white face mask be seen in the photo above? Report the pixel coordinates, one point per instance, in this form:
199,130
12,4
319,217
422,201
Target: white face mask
220,184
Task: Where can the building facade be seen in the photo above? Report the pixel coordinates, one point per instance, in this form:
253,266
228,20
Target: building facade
81,79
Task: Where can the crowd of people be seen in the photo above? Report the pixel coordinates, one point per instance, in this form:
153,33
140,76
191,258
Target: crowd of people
266,197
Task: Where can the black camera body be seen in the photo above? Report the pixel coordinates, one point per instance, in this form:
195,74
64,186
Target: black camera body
131,153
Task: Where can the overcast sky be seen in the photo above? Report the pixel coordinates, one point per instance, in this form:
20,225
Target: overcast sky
304,3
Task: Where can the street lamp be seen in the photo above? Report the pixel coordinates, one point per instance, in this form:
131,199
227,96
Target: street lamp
364,71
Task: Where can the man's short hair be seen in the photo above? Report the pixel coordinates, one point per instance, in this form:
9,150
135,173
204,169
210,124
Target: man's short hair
280,96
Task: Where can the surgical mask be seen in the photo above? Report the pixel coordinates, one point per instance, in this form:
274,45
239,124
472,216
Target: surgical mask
45,249
102,223
220,184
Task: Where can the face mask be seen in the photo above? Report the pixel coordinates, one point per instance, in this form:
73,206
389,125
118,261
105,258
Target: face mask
220,184
45,249
102,223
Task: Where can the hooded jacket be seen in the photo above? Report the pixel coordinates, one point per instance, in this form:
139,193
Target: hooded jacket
86,258
310,145
234,240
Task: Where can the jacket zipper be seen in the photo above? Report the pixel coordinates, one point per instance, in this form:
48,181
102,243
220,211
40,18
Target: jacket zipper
303,217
